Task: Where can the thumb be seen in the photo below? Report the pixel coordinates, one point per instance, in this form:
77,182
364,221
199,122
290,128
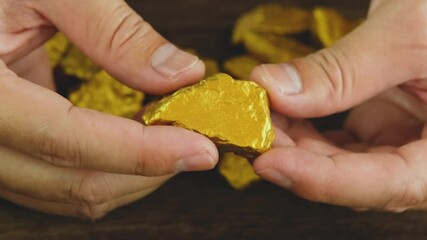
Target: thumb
119,40
383,52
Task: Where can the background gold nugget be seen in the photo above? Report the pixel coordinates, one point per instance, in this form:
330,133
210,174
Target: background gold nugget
329,25
241,66
106,94
272,18
273,48
234,114
237,171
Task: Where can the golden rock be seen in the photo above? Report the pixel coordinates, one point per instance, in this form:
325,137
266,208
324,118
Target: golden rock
75,63
241,66
272,18
243,25
105,94
56,47
278,19
234,114
329,25
274,48
237,171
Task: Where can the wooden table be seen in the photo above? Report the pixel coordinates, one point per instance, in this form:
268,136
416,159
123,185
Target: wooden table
202,205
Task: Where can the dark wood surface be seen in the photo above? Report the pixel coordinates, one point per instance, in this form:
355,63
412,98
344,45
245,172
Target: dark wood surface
202,205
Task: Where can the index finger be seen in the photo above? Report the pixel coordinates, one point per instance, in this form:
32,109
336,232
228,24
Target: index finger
46,125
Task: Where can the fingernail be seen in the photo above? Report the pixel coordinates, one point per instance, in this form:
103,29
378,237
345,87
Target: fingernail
284,77
169,61
275,177
195,162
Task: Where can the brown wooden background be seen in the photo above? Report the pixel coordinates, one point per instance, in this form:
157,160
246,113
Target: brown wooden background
202,205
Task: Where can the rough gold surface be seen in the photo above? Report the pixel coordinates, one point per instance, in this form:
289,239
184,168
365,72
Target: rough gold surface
234,114
278,19
329,25
237,171
241,66
56,47
76,63
272,18
106,94
274,48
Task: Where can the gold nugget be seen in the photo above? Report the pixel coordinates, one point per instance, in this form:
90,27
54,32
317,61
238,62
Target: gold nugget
75,63
237,171
233,114
106,94
329,25
272,18
241,66
274,48
56,47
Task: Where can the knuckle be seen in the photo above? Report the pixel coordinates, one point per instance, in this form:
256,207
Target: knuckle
410,190
149,161
121,31
58,148
339,73
408,195
93,212
92,194
90,190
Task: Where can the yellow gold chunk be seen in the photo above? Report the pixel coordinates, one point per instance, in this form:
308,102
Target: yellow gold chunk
278,19
241,66
274,48
243,25
106,94
272,18
75,63
56,47
237,171
329,25
233,114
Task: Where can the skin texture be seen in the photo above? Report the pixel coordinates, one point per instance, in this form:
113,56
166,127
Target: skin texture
65,160
378,160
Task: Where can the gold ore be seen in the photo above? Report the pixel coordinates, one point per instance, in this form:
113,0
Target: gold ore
232,113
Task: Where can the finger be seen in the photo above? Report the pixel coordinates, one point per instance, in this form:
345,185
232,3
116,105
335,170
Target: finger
339,137
17,43
280,126
399,119
35,67
300,133
47,126
375,4
67,209
364,63
121,42
26,175
390,181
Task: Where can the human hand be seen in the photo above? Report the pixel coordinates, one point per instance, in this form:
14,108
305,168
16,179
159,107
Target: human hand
378,160
65,160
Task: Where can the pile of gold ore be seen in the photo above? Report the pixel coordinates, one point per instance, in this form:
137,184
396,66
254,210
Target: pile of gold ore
270,33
